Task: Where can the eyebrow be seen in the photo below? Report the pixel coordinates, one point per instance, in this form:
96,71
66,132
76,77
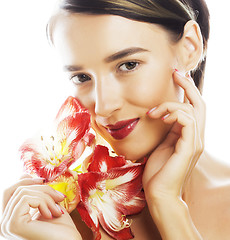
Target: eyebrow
124,53
109,59
72,68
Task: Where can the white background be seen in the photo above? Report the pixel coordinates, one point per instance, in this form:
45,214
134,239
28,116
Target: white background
32,85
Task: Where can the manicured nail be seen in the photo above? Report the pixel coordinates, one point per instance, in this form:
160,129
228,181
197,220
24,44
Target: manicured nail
175,69
50,215
60,194
179,73
163,118
151,110
39,180
59,208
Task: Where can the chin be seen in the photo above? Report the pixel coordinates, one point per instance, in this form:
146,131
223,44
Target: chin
138,148
134,151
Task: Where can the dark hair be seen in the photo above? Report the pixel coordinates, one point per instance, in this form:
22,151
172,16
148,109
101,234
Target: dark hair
170,14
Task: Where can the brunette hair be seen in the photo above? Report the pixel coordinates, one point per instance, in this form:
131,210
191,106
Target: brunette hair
170,14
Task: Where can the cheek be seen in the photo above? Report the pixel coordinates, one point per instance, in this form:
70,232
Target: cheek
152,88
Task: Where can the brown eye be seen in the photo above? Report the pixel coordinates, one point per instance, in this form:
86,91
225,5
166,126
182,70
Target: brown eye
80,78
128,66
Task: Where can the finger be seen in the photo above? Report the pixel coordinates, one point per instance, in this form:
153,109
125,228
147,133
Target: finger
52,196
187,122
22,182
168,107
181,160
56,195
189,130
191,91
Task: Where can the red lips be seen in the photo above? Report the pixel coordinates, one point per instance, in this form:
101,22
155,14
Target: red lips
122,129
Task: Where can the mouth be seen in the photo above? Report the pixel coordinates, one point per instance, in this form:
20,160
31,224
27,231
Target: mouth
122,129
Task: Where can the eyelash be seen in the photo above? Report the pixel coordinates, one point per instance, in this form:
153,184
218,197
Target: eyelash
78,75
128,62
87,77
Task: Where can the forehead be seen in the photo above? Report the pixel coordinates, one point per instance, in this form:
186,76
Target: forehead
103,34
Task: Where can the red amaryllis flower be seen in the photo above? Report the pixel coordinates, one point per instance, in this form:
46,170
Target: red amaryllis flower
110,190
50,156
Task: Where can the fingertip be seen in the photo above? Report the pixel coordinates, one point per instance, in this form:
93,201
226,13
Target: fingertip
55,210
59,209
151,110
39,180
178,73
166,116
60,194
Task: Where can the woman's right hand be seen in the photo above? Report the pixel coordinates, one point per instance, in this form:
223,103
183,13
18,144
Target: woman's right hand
49,222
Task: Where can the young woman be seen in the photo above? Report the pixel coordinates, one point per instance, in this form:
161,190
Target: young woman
137,66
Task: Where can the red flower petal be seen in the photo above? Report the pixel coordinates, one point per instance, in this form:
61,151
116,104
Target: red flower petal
74,127
127,190
123,234
94,226
70,107
127,180
134,206
88,182
102,162
89,139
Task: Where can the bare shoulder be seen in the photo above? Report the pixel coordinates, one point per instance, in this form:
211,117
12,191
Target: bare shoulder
210,201
217,170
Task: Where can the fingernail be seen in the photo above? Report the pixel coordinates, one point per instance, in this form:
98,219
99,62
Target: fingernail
51,216
179,73
59,208
151,110
60,194
163,118
175,69
39,180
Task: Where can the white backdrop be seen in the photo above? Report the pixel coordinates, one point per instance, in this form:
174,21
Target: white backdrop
32,85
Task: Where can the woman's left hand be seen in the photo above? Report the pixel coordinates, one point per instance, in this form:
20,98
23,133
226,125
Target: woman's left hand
171,163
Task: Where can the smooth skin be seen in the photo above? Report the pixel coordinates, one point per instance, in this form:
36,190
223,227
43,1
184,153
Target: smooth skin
187,191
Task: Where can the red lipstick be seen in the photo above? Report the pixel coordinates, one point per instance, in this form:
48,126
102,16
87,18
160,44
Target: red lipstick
122,129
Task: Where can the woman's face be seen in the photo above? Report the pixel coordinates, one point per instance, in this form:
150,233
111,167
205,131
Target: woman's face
120,69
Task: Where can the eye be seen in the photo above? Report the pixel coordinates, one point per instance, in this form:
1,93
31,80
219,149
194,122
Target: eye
80,78
128,66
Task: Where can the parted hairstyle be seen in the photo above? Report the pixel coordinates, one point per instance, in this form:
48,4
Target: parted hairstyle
172,15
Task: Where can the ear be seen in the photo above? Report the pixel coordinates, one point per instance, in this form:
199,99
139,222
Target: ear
190,47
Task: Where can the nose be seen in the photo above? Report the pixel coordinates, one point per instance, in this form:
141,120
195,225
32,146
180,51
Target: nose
108,97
